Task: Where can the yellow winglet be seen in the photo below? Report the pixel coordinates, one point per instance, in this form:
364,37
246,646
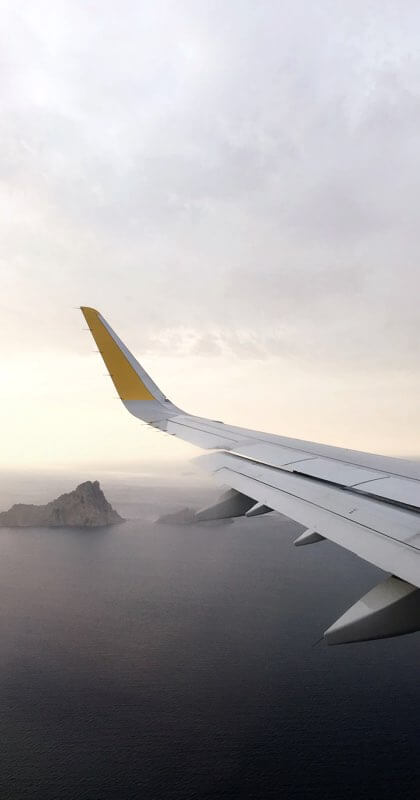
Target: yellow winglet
126,378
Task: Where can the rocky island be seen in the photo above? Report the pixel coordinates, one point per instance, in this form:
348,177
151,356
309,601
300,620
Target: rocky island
85,507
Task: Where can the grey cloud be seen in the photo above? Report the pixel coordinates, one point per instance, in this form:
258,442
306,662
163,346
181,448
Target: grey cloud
207,345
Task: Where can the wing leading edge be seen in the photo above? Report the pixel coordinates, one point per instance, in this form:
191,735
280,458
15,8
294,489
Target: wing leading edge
366,503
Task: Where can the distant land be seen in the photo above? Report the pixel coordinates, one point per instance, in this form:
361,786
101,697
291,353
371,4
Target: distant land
187,516
85,507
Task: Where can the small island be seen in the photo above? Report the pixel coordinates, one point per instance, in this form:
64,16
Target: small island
186,516
85,507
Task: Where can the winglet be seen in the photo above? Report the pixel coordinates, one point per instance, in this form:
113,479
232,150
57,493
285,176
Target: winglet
135,387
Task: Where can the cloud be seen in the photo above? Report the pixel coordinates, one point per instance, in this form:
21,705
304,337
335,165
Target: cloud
238,178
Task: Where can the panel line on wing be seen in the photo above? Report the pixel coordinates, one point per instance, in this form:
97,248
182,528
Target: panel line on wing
353,520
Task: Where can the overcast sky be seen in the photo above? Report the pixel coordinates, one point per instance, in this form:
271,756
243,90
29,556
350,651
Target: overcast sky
236,186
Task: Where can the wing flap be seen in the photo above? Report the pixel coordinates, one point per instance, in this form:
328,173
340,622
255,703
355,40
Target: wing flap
397,490
380,534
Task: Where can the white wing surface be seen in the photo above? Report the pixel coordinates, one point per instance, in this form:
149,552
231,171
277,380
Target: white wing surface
368,504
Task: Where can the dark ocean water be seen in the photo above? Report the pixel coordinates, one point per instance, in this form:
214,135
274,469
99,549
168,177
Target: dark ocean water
154,661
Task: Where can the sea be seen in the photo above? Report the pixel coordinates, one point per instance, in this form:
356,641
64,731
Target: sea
151,661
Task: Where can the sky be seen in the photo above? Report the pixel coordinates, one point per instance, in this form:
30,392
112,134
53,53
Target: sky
235,186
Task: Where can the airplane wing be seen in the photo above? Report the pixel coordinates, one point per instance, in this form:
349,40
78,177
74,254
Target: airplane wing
368,504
